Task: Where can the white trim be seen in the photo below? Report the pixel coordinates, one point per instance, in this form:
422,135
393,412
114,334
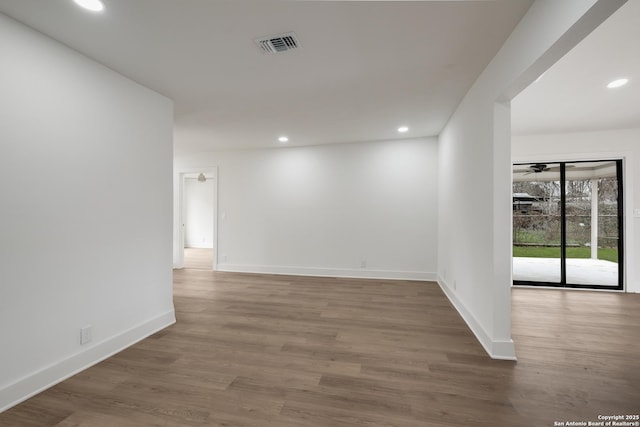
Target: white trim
198,246
41,380
496,349
329,272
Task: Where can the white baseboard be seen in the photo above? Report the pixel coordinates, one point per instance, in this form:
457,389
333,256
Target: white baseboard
41,380
363,273
496,349
198,245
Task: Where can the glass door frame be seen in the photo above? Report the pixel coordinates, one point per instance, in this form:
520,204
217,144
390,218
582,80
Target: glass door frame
563,229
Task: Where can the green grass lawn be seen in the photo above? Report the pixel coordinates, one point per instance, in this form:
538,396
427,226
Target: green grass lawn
608,254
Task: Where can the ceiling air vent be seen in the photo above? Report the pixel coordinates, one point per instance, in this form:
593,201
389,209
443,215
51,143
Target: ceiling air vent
278,43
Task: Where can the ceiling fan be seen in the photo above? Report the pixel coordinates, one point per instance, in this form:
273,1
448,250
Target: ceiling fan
540,167
537,168
534,168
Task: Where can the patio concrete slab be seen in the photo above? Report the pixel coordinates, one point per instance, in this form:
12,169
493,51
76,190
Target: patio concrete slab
580,271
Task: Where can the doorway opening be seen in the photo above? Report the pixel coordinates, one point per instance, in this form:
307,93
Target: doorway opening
568,224
198,220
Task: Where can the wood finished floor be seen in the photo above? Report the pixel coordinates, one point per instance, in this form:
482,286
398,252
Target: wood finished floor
198,258
260,350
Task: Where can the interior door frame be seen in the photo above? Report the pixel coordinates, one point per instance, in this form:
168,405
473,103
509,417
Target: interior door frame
179,235
621,178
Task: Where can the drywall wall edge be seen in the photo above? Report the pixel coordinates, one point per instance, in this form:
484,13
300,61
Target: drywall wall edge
41,380
496,349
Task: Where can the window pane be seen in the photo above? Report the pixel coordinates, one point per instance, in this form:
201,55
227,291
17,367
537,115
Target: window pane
592,223
536,223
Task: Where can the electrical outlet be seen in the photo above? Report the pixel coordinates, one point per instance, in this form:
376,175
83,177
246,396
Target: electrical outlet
224,258
636,213
363,263
86,334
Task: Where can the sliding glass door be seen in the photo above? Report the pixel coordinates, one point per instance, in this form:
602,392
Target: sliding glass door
537,222
567,224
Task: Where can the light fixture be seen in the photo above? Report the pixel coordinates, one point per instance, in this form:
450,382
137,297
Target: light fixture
403,129
617,83
201,177
283,139
92,5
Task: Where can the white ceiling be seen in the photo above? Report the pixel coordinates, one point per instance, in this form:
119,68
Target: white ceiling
572,95
364,68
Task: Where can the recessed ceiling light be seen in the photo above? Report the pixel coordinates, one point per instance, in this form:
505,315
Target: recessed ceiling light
92,5
617,83
283,139
403,129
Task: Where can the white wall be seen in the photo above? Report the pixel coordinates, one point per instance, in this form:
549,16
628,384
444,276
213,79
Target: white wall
325,210
85,223
198,213
474,252
613,144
